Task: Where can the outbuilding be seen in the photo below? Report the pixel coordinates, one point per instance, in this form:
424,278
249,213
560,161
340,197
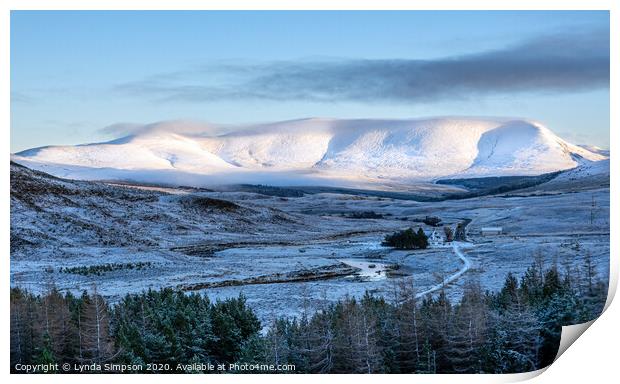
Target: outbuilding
490,231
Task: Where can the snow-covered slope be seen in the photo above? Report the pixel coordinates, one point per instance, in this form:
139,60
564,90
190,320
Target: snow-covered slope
368,150
48,213
595,149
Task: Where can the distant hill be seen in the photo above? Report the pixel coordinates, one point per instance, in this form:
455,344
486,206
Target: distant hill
316,151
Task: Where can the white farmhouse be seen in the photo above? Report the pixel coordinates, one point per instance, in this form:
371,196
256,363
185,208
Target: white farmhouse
435,239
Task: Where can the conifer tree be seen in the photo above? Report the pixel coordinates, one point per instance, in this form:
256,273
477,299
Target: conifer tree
97,345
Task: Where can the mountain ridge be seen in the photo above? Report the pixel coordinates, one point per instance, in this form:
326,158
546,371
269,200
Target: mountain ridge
367,150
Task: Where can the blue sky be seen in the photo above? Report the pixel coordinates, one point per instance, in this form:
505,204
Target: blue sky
75,73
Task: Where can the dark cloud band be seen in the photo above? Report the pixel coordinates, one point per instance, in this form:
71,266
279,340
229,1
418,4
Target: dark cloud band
563,63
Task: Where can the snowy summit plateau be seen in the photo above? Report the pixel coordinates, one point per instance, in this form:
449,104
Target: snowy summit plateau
316,151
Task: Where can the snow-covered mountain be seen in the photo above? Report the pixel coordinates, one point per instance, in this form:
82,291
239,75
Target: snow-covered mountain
320,151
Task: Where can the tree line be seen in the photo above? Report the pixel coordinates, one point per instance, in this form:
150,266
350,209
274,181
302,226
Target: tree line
516,329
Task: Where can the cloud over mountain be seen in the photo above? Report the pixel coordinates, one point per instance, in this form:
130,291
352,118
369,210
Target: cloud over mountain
558,63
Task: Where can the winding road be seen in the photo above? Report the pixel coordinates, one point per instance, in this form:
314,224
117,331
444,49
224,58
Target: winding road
456,247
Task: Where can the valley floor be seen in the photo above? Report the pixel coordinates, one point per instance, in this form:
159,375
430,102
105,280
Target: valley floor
290,254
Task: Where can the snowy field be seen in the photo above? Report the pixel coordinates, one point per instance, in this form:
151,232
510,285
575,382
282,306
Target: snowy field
289,254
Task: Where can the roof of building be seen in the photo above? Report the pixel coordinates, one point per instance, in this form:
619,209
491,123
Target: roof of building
491,228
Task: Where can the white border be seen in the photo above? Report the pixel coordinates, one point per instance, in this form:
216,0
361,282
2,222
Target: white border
593,358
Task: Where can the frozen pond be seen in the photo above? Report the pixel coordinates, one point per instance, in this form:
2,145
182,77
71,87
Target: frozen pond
368,271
